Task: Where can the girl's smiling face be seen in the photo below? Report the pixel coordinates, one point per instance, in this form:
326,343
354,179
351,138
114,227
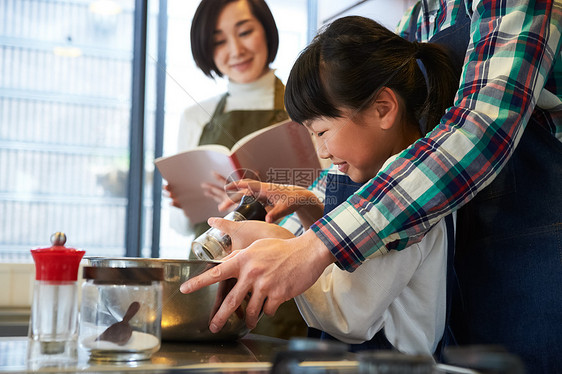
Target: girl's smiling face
358,150
359,144
240,44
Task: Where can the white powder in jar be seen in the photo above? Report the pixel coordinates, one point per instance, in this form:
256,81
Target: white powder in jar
139,341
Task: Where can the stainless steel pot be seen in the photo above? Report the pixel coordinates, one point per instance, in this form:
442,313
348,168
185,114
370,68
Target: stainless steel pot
186,317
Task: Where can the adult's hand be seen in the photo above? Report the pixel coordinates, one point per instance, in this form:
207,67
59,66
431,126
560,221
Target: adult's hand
170,190
216,191
212,190
244,233
271,270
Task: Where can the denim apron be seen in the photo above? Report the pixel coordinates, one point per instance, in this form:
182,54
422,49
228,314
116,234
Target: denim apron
509,247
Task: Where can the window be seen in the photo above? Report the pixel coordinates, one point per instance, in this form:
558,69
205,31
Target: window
65,97
67,72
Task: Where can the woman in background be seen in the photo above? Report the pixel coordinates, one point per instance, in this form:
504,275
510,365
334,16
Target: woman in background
238,40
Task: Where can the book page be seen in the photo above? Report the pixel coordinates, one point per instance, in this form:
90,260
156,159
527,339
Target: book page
255,134
283,153
187,170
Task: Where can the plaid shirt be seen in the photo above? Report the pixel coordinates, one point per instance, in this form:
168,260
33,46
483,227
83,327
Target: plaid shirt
513,65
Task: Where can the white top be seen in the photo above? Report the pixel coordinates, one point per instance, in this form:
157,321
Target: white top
258,95
403,292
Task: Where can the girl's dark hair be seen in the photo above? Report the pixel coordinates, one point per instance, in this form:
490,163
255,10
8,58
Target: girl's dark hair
347,64
203,27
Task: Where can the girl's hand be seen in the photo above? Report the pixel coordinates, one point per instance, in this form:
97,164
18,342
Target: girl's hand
280,199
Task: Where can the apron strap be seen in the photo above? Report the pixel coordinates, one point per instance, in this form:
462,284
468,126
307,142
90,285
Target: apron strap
455,38
413,25
452,284
279,95
220,106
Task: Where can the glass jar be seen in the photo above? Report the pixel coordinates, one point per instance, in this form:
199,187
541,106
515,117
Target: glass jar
121,313
53,327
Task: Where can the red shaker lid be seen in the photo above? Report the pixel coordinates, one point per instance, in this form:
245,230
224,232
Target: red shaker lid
57,263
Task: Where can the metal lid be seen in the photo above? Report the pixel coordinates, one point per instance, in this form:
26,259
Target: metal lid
131,275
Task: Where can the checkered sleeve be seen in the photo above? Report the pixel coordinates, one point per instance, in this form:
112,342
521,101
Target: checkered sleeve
511,54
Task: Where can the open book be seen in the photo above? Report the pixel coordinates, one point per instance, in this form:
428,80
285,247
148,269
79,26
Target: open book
282,153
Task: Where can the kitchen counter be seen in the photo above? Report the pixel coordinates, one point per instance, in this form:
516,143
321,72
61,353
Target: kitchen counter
251,354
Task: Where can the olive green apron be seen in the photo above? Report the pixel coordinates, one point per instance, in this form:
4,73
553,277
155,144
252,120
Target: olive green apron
227,128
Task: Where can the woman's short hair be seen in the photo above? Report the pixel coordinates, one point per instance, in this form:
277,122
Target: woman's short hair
204,23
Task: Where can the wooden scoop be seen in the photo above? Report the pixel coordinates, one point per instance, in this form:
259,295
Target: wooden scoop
120,332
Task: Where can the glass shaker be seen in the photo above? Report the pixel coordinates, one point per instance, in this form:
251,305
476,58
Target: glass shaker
53,328
215,245
121,312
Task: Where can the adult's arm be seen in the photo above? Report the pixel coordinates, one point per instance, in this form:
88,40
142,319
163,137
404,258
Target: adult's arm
511,51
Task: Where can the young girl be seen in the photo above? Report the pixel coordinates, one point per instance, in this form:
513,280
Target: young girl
361,91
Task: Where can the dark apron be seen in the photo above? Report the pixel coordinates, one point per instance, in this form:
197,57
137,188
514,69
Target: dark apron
226,128
509,247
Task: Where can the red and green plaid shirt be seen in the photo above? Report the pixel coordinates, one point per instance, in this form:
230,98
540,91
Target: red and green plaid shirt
513,64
